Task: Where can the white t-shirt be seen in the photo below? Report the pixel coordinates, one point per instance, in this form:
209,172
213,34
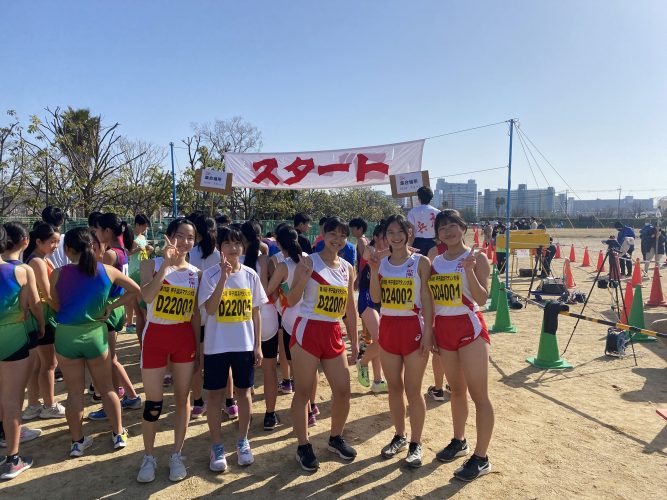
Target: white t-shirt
58,258
422,219
203,264
231,329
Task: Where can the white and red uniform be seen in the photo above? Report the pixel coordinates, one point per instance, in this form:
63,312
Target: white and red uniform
401,324
458,320
289,314
317,328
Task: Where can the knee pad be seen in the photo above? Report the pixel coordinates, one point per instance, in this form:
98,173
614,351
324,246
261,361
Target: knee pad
152,410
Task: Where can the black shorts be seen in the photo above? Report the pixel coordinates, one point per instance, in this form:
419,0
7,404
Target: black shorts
32,339
270,347
286,339
216,370
423,244
22,353
49,337
201,334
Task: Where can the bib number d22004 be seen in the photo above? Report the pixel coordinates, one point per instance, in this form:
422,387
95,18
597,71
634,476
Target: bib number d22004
174,303
446,289
398,293
331,301
235,305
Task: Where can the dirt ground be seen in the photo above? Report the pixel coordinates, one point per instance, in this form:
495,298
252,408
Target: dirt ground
588,432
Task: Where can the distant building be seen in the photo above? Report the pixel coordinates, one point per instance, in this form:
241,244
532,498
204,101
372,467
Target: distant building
524,202
624,207
461,196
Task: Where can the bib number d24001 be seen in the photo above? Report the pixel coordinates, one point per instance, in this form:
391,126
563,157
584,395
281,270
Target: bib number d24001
235,305
331,301
174,303
446,289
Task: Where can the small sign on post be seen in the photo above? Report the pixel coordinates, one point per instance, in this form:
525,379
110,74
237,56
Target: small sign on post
407,184
213,181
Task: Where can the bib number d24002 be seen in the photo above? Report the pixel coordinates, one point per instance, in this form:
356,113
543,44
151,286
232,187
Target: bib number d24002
446,289
174,303
398,293
331,301
235,305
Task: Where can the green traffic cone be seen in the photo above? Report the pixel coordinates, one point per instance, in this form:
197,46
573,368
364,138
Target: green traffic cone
547,352
636,318
502,322
492,305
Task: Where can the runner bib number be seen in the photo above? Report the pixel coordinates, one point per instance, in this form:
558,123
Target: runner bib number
331,301
235,305
398,293
174,303
446,289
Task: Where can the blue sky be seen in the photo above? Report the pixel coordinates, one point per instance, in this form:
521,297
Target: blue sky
586,79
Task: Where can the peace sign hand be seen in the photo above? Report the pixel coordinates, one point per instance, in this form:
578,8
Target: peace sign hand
171,253
471,260
376,256
225,266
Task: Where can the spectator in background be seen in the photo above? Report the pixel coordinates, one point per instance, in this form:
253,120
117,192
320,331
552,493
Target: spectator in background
651,251
56,217
302,224
541,224
422,219
626,239
321,235
223,220
488,233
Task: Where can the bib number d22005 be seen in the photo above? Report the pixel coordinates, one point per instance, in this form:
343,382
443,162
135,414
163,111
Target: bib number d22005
331,301
174,303
446,289
235,305
398,293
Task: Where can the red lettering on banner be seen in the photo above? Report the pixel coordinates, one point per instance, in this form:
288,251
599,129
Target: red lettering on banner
267,165
363,167
300,168
333,167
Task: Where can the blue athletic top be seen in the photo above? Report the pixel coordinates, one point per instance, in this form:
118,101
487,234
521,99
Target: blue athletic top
82,298
10,290
122,264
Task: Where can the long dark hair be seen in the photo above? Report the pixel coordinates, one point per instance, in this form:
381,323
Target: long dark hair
80,241
251,231
41,231
119,228
16,233
176,223
3,239
228,234
205,227
288,239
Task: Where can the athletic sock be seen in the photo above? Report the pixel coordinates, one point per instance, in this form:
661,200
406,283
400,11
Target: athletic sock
270,413
229,402
80,441
199,402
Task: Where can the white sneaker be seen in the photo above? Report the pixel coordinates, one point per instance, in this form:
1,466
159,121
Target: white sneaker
55,411
26,435
147,469
177,469
31,412
76,449
218,462
379,387
244,452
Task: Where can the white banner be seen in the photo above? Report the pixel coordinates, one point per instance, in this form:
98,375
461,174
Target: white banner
324,169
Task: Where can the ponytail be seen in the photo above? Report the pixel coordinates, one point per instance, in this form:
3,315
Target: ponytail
127,236
16,233
251,231
120,228
42,232
80,241
288,239
206,230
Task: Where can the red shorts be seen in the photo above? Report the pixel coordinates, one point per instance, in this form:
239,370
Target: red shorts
164,343
322,339
400,335
454,332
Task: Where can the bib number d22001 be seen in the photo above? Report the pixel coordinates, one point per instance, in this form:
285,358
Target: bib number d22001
331,301
235,305
174,303
398,293
446,289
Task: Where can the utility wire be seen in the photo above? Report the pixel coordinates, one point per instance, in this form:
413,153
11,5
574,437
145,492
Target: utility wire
466,130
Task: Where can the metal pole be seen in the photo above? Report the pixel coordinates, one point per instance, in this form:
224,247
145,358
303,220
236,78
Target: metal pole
174,206
46,173
507,208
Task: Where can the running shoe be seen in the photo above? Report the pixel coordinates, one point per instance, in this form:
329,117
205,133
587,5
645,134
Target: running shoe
98,415
147,469
232,411
453,450
379,387
3,460
314,409
396,445
167,381
338,445
91,389
12,468
131,404
96,398
55,411
218,462
285,387
473,468
121,392
31,412
306,457
58,375
198,411
76,449
271,421
312,420
362,374
244,452
177,470
119,440
25,436
131,329
436,394
414,458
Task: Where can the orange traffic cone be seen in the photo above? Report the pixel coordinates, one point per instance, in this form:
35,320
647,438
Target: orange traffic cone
567,275
489,251
627,303
476,237
572,259
494,260
557,256
637,274
656,298
586,262
600,266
